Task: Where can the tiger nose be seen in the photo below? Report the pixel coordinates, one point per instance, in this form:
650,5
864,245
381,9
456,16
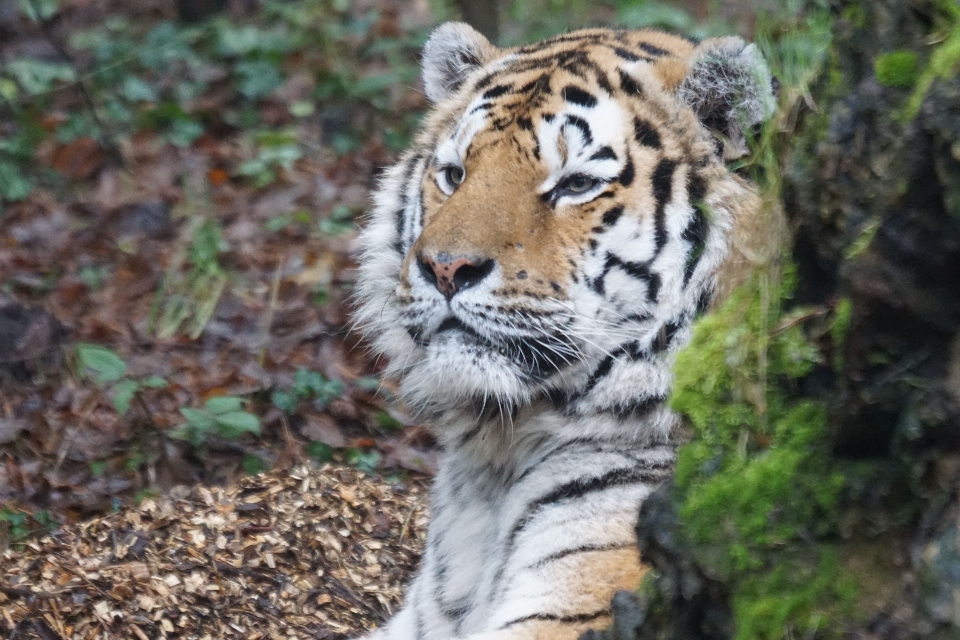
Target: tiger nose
451,275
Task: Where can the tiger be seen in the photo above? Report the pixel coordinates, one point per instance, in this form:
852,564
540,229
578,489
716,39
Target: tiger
529,268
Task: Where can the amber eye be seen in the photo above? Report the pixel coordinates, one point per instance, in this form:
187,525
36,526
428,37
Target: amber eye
454,175
579,183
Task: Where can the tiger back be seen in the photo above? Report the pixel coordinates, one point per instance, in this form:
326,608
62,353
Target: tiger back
529,268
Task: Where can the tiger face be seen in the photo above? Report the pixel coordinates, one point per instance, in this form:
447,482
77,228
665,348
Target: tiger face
561,218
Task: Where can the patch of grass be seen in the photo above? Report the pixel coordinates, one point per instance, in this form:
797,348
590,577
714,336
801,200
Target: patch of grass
188,296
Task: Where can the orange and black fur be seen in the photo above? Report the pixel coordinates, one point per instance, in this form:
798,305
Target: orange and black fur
530,268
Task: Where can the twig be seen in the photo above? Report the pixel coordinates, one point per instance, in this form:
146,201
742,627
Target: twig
68,442
271,308
46,28
14,592
406,521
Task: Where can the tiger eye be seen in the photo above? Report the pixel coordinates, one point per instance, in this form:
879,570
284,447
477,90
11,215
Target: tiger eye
580,183
455,175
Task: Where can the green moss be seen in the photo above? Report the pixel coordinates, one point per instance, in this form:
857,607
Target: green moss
855,15
838,330
897,69
757,478
943,61
795,599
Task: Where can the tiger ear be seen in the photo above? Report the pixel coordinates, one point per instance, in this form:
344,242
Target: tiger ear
729,86
453,51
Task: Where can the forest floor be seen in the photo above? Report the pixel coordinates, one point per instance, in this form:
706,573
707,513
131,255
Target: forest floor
176,276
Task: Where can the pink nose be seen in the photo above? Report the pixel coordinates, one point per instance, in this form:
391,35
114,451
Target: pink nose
451,275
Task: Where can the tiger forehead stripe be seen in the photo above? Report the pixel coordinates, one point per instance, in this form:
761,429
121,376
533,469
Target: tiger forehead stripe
530,269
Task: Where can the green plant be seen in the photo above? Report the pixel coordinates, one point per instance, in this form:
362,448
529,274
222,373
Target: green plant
306,385
365,461
21,525
276,150
223,417
319,451
191,297
109,369
16,523
340,221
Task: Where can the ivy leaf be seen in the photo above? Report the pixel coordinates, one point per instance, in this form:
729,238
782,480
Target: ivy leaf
154,382
123,393
235,424
284,400
108,365
224,404
137,90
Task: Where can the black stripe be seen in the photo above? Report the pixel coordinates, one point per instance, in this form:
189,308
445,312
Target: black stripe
496,92
604,153
696,235
569,490
598,374
638,407
645,134
601,78
610,217
626,176
696,232
587,548
629,84
471,434
402,209
577,95
483,106
662,191
629,56
556,450
542,83
582,125
666,335
638,270
703,302
551,617
580,487
652,50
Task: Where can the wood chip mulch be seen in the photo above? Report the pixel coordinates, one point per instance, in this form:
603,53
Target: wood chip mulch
308,553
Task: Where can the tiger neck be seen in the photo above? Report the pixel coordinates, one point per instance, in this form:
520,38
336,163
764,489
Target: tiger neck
625,406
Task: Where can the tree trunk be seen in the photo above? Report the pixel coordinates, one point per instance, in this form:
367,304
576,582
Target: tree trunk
872,193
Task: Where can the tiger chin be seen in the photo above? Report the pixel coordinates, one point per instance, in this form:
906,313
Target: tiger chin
530,268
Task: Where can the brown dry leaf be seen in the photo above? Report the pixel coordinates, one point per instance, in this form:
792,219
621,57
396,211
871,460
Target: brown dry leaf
79,159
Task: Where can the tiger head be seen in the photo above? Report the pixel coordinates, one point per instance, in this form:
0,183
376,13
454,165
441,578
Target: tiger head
561,218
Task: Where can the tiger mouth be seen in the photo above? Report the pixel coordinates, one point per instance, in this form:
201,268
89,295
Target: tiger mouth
538,357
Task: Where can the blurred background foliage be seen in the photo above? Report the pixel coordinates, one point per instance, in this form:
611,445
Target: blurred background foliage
180,187
105,72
